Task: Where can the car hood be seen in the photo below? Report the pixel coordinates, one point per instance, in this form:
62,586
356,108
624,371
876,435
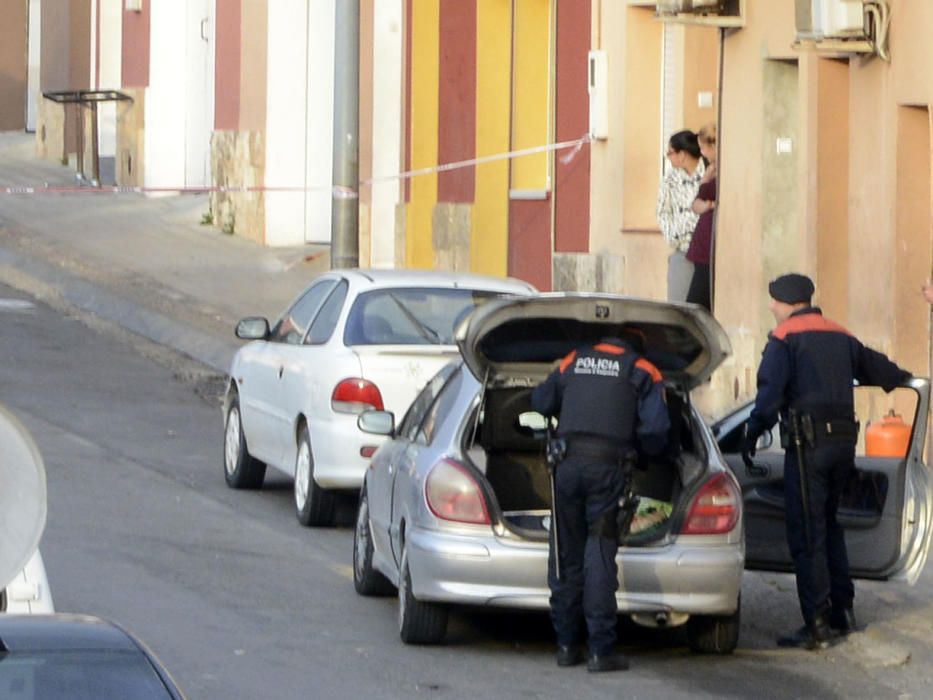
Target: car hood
513,341
22,498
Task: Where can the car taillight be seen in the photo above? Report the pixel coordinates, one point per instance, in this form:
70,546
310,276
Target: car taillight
715,509
453,494
356,396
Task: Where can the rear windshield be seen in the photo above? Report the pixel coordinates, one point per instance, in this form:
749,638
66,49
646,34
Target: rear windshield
80,675
415,316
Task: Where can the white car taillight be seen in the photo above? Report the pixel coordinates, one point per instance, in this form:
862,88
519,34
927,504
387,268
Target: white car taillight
453,494
355,396
715,509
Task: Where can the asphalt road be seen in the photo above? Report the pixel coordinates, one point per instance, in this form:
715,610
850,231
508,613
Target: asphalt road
240,601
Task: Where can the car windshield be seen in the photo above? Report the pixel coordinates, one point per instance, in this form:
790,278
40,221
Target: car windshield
80,675
410,316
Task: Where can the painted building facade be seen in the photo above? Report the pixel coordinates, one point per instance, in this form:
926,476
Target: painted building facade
824,151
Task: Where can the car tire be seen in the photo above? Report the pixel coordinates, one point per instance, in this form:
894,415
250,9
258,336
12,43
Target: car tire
418,622
314,506
366,580
241,469
714,634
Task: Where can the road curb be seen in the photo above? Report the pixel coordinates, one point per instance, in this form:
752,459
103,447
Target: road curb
43,280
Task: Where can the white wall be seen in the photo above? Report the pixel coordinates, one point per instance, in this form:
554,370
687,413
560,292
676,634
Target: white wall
34,52
387,126
165,97
199,92
299,121
179,100
111,42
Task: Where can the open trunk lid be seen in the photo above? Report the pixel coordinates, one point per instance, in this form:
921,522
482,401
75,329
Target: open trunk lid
513,341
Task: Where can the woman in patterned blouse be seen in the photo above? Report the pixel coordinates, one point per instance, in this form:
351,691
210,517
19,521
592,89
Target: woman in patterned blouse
675,216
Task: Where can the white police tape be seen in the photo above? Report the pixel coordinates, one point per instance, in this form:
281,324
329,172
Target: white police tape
337,191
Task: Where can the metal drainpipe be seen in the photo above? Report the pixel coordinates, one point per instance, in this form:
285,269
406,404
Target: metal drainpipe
345,211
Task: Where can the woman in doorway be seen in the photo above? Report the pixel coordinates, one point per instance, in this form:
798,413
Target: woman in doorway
700,250
674,212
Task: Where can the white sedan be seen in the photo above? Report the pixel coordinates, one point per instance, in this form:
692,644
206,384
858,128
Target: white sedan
354,340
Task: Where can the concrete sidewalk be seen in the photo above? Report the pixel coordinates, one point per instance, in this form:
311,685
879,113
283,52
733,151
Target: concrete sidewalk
143,263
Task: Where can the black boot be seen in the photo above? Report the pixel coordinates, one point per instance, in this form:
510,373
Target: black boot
813,636
570,655
842,620
598,663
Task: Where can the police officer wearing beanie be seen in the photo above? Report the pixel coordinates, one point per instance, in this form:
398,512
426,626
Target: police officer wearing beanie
609,401
805,379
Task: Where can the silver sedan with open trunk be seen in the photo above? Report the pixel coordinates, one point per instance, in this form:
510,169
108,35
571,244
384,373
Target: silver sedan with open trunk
455,508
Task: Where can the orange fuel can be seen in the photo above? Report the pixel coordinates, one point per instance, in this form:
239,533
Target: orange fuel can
888,438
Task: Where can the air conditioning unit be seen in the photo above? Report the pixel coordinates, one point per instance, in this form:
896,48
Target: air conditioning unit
673,7
830,19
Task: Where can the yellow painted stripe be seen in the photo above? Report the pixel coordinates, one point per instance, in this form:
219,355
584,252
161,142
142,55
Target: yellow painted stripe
489,243
425,25
344,570
532,79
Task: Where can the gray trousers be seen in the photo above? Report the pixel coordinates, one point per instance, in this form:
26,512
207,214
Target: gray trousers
679,274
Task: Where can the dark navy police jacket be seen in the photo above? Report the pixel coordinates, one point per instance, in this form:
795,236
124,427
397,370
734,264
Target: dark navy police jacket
809,364
606,391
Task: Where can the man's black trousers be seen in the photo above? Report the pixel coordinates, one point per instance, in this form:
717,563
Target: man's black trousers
822,568
587,505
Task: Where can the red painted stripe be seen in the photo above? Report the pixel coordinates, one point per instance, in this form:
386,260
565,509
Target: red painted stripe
643,364
409,21
530,241
565,363
135,52
227,62
456,123
611,349
807,323
572,180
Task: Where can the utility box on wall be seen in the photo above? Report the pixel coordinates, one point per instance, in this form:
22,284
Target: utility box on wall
675,6
717,13
598,89
829,19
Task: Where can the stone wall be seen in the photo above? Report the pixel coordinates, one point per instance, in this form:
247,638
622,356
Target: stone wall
50,131
131,141
588,272
238,160
450,236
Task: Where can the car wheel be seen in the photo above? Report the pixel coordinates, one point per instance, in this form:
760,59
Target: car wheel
418,622
366,579
313,505
241,469
714,634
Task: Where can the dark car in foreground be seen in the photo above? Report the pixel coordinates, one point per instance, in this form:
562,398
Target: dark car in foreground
77,657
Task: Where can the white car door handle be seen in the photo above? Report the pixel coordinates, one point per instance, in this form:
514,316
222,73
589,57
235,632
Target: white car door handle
281,371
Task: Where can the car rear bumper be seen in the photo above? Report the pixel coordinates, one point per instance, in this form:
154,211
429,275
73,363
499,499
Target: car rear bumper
692,575
336,445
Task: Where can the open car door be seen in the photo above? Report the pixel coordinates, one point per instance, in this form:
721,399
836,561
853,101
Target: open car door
885,508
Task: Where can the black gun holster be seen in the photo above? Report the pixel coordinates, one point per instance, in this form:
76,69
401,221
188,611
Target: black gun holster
628,503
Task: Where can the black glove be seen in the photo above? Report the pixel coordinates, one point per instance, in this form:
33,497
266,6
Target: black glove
748,448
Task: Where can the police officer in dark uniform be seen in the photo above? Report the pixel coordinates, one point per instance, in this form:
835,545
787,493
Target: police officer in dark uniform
608,398
805,378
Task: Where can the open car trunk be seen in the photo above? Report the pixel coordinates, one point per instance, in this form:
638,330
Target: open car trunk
509,448
512,345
